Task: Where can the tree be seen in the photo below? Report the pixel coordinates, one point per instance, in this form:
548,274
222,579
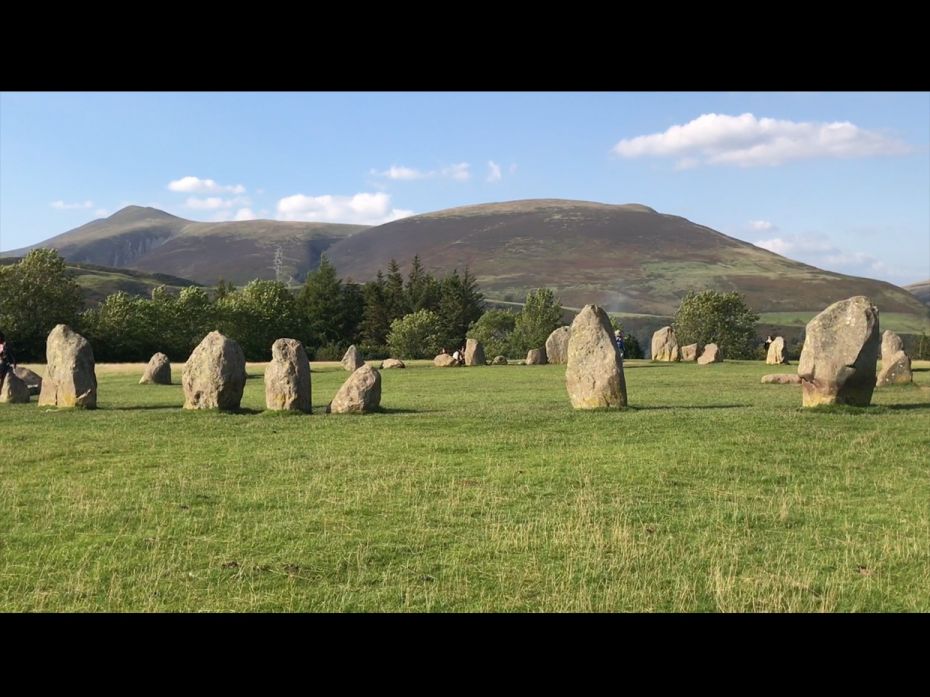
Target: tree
493,329
460,304
259,314
321,307
35,295
720,318
541,314
631,345
376,320
121,328
422,291
417,335
394,295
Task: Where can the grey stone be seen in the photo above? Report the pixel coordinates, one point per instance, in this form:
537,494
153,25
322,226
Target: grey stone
444,360
14,390
392,363
536,357
781,379
499,360
689,352
70,379
157,372
287,377
665,345
776,354
896,370
710,354
557,345
352,361
214,375
360,393
33,380
594,373
474,352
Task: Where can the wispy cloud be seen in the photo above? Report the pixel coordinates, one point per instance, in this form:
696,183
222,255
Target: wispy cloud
212,203
62,206
361,209
196,185
494,171
761,225
458,172
748,141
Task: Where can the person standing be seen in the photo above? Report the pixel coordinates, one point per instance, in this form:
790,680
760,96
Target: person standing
618,340
7,362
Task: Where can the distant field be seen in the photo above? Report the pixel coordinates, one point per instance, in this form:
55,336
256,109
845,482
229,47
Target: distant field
895,321
477,489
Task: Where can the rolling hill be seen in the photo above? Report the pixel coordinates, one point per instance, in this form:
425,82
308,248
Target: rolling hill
920,290
151,240
627,258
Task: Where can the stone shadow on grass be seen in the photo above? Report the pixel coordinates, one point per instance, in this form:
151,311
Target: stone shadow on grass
695,406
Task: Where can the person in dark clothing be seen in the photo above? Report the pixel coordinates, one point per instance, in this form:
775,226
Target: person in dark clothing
618,340
7,362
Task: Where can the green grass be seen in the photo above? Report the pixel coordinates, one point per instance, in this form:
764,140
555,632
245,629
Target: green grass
477,489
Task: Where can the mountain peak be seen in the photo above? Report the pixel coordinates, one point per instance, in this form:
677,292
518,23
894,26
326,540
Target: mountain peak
133,213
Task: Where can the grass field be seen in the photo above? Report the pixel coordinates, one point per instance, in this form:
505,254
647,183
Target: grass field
476,489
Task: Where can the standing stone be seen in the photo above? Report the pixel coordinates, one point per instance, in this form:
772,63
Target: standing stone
474,352
33,380
594,374
70,380
214,375
781,379
841,346
157,372
352,361
896,365
536,357
557,345
499,360
392,363
360,393
665,345
776,354
14,390
689,352
287,377
710,354
444,360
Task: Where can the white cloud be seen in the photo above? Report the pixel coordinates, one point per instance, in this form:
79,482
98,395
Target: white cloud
762,225
494,171
212,203
458,172
361,209
62,206
817,249
244,214
196,185
747,141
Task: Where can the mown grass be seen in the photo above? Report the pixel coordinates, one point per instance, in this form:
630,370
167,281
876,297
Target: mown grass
476,489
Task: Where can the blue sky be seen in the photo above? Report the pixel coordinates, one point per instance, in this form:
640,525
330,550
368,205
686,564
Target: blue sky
838,180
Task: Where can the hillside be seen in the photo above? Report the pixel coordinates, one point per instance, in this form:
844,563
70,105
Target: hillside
920,290
151,240
628,258
97,282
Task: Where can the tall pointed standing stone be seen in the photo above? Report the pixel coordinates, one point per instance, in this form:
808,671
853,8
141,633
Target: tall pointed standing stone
287,377
665,345
70,380
594,374
214,375
474,352
352,361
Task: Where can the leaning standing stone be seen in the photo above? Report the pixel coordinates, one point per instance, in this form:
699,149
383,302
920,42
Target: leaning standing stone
665,345
536,357
474,352
70,380
287,377
710,354
557,345
689,352
360,393
841,346
14,390
214,375
157,372
776,354
594,374
352,361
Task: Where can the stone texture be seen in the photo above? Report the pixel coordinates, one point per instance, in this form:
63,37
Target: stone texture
14,390
392,363
594,373
360,393
781,379
841,347
896,370
33,380
776,354
444,360
157,372
214,375
665,345
689,352
352,361
70,380
287,377
891,344
536,357
474,352
557,345
710,354
499,360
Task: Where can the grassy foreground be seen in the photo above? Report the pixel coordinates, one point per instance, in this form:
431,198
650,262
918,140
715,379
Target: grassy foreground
477,489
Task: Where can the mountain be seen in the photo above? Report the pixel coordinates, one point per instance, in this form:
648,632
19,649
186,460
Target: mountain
920,290
627,258
97,282
151,240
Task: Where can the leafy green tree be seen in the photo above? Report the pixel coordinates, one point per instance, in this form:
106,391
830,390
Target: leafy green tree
193,317
259,314
460,304
36,294
493,329
121,328
714,317
541,314
417,335
923,348
224,288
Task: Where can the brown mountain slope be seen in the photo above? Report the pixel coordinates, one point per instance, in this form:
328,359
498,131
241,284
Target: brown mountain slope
151,240
920,290
627,258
